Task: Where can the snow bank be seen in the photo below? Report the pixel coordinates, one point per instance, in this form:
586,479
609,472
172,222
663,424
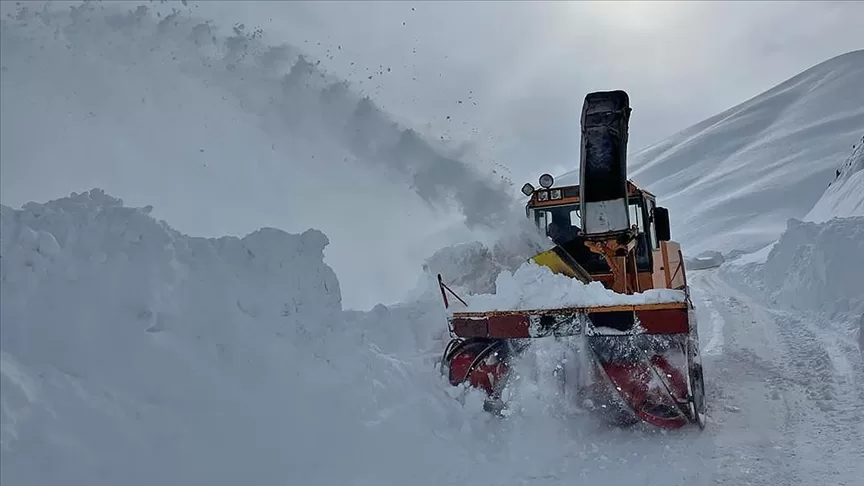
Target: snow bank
533,286
818,266
844,197
133,354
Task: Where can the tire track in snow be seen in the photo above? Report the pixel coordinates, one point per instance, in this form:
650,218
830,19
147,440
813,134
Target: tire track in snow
749,420
715,342
808,411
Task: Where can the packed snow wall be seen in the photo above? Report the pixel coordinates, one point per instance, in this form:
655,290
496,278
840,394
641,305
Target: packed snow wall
134,354
818,266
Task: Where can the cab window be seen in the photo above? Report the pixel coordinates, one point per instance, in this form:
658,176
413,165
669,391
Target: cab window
652,232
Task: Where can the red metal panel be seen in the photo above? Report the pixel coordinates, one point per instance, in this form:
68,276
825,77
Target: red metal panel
465,327
664,321
508,326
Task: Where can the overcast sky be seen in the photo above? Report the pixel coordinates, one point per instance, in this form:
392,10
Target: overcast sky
528,65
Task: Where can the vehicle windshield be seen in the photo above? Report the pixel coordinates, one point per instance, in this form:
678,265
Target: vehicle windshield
566,220
563,215
561,223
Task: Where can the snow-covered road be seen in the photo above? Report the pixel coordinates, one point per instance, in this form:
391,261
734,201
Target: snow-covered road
785,397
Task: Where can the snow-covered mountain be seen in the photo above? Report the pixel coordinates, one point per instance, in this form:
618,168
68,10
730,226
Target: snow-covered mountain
844,196
731,181
816,266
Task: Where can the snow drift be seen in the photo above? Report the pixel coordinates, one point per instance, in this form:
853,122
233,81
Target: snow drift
134,354
532,286
818,266
731,181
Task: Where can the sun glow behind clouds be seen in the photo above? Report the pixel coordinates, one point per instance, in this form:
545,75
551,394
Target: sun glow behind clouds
630,16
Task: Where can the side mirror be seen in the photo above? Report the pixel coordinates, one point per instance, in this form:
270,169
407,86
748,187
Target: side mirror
661,224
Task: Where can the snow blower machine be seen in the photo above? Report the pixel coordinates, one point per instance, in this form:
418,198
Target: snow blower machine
643,358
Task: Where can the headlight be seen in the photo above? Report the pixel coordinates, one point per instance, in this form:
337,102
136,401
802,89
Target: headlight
555,194
542,195
546,181
528,189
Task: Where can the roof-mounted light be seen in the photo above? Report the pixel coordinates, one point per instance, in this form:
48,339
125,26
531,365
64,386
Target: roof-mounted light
528,189
546,181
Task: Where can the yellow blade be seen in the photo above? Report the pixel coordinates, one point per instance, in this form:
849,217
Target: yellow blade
559,261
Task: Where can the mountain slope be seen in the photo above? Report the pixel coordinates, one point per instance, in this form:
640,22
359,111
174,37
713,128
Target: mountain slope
733,180
844,197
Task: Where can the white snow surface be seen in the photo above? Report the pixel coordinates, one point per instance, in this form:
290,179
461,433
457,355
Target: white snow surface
813,267
844,197
731,181
534,286
135,354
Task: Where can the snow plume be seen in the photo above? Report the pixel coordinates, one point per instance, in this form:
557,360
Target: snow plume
473,267
155,105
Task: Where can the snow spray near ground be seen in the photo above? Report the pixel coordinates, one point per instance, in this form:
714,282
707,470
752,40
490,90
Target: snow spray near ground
731,181
226,133
533,286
